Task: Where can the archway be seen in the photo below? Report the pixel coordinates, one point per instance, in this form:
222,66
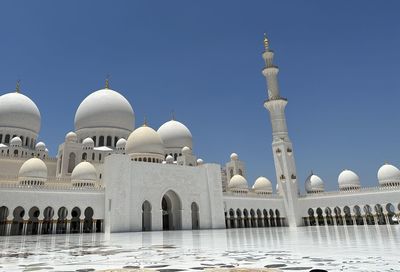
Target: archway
246,218
328,215
3,220
347,216
391,214
380,215
359,218
259,219
75,221
71,162
18,221
320,217
338,216
195,216
271,218
368,215
146,216
33,222
88,221
266,222
171,211
311,217
232,218
253,219
239,223
47,225
62,221
278,218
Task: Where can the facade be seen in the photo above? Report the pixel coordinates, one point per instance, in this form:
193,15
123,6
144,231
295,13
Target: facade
109,176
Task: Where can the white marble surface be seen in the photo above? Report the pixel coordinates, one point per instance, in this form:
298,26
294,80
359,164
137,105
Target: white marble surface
362,248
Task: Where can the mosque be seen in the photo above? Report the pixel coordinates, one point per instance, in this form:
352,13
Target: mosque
109,176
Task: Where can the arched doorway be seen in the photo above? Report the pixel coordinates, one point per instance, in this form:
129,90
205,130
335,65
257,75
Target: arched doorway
75,220
368,215
320,217
329,218
47,225
88,221
146,216
18,221
171,211
239,218
259,219
271,218
3,220
266,222
232,219
253,222
347,216
33,222
61,227
246,218
380,215
311,217
195,216
358,216
391,214
338,216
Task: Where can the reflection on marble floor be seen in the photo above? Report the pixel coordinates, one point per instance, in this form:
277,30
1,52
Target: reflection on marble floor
369,248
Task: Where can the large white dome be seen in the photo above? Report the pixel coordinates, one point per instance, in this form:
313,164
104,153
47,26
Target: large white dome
238,182
314,184
19,111
105,108
388,175
175,135
348,180
84,171
262,184
144,140
33,168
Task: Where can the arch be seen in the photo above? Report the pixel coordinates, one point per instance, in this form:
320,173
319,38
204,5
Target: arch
259,219
88,221
15,153
265,214
171,211
380,216
47,224
253,222
311,217
231,173
278,218
32,227
146,216
320,217
109,141
101,141
84,156
232,218
246,218
17,225
338,216
61,227
3,220
239,219
195,216
75,226
71,162
347,216
390,209
271,218
358,217
368,215
328,216
7,139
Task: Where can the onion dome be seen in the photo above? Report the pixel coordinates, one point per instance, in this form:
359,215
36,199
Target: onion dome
40,146
175,135
238,183
200,162
20,112
33,172
234,157
348,180
105,108
121,143
389,175
71,137
145,140
262,185
84,174
169,159
314,184
88,143
16,142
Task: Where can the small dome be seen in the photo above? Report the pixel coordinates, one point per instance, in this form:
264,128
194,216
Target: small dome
71,137
105,108
388,175
234,157
200,162
19,111
144,140
88,142
121,143
40,146
175,135
348,180
238,182
16,141
314,184
84,171
262,184
186,150
169,159
33,169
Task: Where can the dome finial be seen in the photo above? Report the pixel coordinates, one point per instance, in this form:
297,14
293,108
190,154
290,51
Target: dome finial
145,122
18,86
172,115
108,82
266,42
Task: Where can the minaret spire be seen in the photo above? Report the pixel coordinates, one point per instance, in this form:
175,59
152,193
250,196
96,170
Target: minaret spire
18,86
107,82
285,165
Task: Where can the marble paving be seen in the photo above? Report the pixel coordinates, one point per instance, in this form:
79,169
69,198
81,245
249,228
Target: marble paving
358,248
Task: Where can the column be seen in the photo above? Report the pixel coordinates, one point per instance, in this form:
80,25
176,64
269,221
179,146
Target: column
68,226
24,227
8,228
93,226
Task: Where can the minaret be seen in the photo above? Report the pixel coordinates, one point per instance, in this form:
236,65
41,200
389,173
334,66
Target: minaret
285,165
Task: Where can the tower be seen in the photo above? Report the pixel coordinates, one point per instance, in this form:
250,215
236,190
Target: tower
282,148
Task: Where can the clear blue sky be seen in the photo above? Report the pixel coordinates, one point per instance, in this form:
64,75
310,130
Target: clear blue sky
339,68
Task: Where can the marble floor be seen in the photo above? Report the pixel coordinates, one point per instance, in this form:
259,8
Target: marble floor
358,248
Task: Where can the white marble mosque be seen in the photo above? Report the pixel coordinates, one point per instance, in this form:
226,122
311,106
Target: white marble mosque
109,176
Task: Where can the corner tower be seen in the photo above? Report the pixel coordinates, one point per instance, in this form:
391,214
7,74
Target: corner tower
285,165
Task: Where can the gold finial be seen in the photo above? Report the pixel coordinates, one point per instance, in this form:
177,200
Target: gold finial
145,122
172,115
108,82
17,87
266,42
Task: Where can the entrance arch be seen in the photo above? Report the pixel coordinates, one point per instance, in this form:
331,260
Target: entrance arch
195,216
146,216
171,211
